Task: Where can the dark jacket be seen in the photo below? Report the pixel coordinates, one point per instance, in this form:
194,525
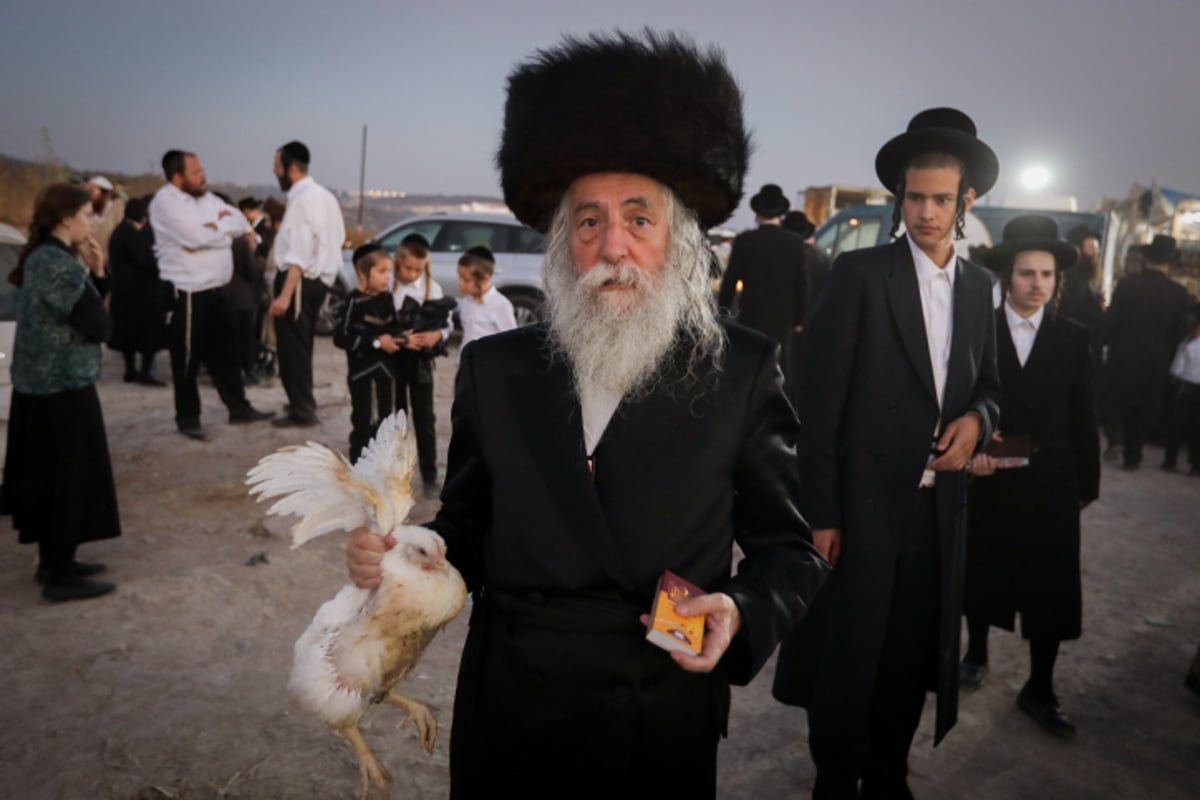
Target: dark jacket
1023,536
361,320
1146,322
868,409
245,287
556,672
140,298
769,262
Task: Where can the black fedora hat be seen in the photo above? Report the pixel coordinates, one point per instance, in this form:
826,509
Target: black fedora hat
655,104
1160,251
1080,232
770,202
939,130
1031,232
799,222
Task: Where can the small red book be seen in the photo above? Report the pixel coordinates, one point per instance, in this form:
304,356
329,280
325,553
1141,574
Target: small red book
668,629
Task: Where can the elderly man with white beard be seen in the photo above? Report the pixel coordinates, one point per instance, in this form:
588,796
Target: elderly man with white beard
632,433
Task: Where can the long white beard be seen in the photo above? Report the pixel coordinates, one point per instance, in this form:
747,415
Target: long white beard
615,340
618,340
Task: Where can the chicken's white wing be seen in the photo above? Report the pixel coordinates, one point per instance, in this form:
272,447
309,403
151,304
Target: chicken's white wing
328,494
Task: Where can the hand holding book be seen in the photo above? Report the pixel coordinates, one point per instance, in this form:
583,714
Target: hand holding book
721,621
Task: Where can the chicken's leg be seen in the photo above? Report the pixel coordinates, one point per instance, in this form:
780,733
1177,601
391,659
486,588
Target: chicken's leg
419,715
369,769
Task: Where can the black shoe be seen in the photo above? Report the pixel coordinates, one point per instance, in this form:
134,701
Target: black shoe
250,415
1112,452
130,377
150,380
1046,714
1130,467
193,432
430,490
296,422
75,588
79,569
971,675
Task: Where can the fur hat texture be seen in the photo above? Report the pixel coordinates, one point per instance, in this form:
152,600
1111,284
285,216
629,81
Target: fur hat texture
655,105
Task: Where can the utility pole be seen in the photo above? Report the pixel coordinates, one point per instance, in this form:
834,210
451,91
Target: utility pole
362,177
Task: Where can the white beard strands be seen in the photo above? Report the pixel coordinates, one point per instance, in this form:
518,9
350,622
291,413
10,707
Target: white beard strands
617,342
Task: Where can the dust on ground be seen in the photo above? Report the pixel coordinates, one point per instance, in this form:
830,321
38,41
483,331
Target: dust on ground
175,686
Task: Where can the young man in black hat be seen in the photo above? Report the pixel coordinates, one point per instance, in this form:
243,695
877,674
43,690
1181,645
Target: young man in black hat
768,262
630,434
1146,322
898,387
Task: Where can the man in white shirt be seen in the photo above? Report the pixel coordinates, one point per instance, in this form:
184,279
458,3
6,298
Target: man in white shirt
898,387
193,233
308,249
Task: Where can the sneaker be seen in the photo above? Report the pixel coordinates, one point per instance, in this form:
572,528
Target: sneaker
75,588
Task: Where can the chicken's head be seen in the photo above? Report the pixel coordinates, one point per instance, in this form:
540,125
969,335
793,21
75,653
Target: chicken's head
421,547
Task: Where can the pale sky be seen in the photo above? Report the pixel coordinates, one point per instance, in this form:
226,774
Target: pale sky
1101,92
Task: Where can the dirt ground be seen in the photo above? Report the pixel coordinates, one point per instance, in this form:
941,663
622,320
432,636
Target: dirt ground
175,686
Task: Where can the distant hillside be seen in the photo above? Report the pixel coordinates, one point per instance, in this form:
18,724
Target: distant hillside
20,181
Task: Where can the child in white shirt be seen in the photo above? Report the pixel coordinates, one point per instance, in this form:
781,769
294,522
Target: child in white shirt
1184,422
414,390
483,310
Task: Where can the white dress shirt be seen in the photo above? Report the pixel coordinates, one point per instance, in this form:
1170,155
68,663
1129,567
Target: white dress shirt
191,256
936,285
490,314
596,406
312,232
416,290
1186,364
1023,330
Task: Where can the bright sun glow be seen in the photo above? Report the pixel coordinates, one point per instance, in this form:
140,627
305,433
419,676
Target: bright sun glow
1035,179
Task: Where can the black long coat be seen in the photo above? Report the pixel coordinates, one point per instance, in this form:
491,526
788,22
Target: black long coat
1146,321
558,691
868,409
1023,533
138,303
769,262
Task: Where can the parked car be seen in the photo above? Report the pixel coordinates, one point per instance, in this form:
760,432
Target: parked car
11,243
518,250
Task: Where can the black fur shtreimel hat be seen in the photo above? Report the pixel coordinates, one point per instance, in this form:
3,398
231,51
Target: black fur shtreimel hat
654,105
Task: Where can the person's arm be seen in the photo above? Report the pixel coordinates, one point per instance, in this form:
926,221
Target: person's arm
781,571
182,224
733,274
280,304
1081,417
963,436
508,317
801,288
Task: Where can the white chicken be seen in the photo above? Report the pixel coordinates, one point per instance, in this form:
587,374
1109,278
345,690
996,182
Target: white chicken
363,642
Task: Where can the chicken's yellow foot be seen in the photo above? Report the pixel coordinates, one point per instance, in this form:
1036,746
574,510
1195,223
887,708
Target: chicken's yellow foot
419,715
369,769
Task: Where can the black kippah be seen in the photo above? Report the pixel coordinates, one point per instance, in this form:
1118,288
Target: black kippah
365,250
482,252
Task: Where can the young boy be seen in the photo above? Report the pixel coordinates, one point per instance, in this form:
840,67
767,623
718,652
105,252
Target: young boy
483,310
363,332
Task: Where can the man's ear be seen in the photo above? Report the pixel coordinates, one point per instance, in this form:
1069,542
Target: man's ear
968,198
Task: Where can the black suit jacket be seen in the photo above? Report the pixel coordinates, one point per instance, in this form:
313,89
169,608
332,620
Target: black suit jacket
1146,322
769,261
556,669
868,409
1023,538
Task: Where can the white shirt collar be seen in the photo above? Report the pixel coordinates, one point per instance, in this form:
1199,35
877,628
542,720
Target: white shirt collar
299,186
1015,320
926,269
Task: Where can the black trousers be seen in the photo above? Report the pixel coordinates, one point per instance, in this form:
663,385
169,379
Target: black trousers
907,666
202,332
294,345
247,340
414,394
372,397
1184,423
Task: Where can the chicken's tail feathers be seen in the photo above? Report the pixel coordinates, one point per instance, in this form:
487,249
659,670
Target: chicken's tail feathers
314,483
387,464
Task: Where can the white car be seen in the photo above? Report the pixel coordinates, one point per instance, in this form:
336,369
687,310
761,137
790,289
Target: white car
518,250
11,243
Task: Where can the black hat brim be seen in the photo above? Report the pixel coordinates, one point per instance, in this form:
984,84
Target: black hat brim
1003,254
983,168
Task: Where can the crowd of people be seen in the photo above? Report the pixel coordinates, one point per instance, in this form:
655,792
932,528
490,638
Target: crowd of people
862,448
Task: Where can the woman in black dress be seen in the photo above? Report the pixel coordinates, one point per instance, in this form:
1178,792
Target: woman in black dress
58,479
139,297
1023,534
